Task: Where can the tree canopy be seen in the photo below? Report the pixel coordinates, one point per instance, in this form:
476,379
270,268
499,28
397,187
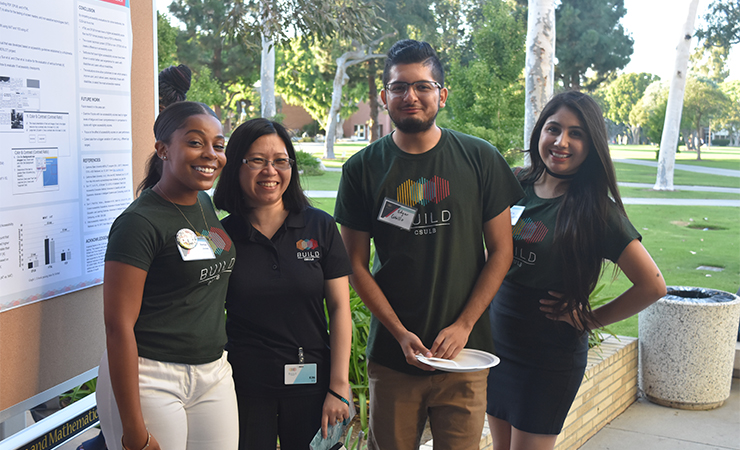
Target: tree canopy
487,92
202,44
589,36
722,24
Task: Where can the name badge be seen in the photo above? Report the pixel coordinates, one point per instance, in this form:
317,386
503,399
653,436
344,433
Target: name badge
397,214
516,213
300,373
202,250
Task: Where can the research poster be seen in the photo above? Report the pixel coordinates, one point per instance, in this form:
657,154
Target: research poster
65,142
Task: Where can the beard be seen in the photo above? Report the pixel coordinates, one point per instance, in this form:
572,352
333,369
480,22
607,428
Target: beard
413,125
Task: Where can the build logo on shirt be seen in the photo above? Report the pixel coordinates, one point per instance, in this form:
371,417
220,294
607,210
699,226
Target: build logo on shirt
307,249
423,192
218,240
528,231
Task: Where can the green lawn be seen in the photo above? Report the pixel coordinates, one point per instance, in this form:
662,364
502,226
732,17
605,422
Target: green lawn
329,181
679,238
720,157
642,174
676,238
649,193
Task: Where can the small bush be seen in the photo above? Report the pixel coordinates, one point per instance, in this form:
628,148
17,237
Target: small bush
721,142
307,163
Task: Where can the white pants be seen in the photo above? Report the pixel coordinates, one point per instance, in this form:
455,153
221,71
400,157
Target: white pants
185,406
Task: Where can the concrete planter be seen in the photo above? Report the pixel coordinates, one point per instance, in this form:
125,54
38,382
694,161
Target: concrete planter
686,346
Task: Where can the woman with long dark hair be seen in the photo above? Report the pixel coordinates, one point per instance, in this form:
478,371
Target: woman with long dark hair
291,376
572,220
164,380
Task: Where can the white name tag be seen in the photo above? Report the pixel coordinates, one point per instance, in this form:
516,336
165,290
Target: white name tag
516,212
202,250
397,214
300,373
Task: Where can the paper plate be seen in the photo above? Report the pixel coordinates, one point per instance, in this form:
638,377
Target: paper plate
468,360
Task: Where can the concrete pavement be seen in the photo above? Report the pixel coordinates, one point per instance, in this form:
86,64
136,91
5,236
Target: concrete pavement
647,426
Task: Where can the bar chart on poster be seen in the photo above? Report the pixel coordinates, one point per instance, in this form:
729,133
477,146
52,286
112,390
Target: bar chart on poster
65,142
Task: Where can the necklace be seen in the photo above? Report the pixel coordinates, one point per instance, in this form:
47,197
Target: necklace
557,175
195,230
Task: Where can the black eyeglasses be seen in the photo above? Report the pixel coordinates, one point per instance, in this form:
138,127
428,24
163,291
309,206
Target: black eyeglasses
261,163
423,87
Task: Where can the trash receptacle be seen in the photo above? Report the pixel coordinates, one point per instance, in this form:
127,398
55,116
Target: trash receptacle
686,346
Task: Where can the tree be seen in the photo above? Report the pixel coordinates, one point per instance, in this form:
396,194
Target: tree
703,99
278,22
589,36
621,96
669,139
360,54
722,27
487,93
730,118
166,43
539,68
205,88
202,44
709,63
649,112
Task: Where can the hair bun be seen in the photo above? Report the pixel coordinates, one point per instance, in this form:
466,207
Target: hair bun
178,77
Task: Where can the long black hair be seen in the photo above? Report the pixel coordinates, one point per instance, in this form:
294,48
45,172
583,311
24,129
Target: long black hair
169,120
580,230
228,195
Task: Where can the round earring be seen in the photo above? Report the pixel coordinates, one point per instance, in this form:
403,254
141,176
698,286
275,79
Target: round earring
164,157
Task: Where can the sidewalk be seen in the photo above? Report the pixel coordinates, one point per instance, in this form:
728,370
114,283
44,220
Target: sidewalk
647,426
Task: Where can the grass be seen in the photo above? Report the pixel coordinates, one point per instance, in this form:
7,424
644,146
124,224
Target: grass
720,157
674,235
649,193
678,249
329,181
642,174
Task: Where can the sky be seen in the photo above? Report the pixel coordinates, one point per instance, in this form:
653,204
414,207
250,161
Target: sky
655,26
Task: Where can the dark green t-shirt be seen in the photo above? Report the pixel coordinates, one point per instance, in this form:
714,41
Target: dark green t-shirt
428,272
182,310
535,265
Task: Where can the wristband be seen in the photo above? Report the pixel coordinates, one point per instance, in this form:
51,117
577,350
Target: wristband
335,395
146,446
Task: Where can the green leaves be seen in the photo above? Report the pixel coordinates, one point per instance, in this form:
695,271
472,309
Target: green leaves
487,93
589,36
722,27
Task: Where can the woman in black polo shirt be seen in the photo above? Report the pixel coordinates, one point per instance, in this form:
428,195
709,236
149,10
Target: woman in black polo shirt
291,375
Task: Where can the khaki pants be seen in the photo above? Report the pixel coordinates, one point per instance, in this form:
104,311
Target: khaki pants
400,404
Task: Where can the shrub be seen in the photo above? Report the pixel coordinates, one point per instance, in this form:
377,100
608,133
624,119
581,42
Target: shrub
307,163
721,142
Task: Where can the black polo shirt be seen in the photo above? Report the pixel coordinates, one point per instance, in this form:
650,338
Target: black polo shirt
275,301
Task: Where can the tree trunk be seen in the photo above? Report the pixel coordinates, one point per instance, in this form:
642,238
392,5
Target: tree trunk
698,138
348,59
336,103
372,95
267,78
669,139
539,67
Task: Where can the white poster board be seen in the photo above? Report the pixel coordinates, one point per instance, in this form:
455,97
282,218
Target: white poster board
65,142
